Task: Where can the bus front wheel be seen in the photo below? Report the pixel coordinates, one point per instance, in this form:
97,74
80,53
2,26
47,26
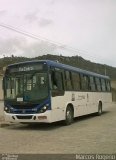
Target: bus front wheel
69,115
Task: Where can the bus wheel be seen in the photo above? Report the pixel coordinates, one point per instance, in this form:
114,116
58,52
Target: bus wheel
99,109
69,115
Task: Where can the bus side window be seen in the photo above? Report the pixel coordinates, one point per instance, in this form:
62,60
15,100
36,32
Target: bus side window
68,82
103,85
57,80
108,87
76,81
87,82
98,84
54,80
84,82
92,83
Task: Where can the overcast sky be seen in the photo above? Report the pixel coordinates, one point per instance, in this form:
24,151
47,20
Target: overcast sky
83,27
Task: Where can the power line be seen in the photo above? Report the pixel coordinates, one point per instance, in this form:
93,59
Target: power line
29,34
60,45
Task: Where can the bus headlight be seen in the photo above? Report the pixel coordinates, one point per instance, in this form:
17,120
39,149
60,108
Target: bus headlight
44,108
6,109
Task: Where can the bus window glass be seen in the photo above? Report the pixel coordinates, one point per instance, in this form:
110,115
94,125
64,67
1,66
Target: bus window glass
76,81
68,80
84,82
35,86
31,87
57,80
92,83
103,85
19,85
10,85
108,87
98,84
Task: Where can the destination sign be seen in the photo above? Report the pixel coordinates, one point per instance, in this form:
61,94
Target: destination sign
26,68
21,69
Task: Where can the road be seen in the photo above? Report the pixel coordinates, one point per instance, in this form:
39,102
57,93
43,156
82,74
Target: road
88,134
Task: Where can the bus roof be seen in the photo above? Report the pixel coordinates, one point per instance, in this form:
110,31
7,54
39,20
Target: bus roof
62,66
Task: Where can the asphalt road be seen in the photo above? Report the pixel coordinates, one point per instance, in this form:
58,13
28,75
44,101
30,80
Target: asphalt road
88,134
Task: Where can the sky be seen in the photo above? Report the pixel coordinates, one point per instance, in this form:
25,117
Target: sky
86,28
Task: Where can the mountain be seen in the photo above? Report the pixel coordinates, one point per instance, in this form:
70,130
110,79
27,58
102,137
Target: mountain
75,61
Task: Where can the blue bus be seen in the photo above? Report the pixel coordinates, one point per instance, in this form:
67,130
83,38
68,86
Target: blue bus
48,91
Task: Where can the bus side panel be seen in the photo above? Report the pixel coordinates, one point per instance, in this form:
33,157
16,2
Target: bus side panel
58,105
83,103
107,100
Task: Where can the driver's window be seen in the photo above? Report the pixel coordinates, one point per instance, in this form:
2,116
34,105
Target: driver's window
53,80
57,80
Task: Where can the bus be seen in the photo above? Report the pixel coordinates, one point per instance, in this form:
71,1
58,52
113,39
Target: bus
48,91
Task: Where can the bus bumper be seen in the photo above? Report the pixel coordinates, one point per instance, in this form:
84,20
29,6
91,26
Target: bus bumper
17,118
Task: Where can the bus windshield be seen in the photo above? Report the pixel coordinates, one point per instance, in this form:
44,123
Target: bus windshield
26,87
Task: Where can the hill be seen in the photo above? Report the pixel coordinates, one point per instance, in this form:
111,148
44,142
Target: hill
75,61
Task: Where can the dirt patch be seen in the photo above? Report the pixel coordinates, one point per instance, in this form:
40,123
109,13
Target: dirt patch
1,118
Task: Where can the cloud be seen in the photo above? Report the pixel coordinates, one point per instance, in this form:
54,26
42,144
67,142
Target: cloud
52,2
38,49
85,25
11,46
2,12
31,17
43,22
21,47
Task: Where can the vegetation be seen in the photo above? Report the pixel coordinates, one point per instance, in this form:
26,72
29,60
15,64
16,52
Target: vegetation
75,61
